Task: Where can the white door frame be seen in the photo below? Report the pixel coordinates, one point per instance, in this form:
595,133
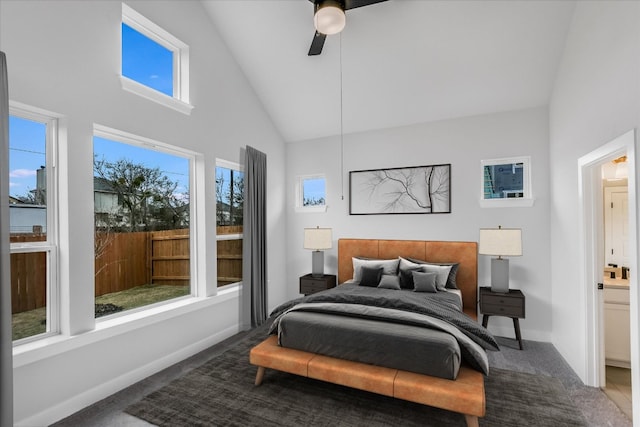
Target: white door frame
591,246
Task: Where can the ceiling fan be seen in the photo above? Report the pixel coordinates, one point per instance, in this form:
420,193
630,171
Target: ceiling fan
329,18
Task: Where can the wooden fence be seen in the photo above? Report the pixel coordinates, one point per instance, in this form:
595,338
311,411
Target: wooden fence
124,261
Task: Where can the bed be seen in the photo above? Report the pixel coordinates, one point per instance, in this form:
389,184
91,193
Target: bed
461,389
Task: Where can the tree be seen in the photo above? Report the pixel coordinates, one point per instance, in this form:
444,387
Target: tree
147,197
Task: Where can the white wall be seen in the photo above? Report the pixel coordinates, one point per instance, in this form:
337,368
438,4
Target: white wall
596,98
463,143
63,56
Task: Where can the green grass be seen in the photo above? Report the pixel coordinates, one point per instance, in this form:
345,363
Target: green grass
32,322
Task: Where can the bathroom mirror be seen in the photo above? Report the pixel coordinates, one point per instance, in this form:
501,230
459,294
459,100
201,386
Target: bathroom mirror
506,182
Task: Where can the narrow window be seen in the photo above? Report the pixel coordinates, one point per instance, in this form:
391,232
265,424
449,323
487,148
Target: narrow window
33,237
155,64
142,223
229,221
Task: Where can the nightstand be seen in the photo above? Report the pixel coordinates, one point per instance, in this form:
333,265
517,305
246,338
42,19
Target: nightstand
311,285
509,304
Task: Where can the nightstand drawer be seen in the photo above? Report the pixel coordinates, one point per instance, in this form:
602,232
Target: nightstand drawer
311,285
503,309
502,300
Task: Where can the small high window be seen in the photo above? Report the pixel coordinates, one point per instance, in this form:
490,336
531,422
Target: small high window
311,193
155,64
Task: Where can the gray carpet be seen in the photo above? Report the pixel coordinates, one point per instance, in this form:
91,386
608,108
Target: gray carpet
221,393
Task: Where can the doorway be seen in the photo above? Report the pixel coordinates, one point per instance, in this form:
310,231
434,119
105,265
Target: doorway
591,194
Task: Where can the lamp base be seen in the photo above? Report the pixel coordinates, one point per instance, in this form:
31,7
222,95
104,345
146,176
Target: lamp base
317,264
500,275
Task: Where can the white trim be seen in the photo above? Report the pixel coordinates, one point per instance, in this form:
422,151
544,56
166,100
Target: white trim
526,201
88,397
180,65
155,96
591,248
54,346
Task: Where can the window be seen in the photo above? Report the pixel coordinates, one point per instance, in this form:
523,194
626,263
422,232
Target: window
155,64
506,182
229,221
142,222
311,193
32,232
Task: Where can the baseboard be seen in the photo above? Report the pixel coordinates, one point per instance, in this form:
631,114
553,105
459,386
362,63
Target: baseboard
91,396
509,332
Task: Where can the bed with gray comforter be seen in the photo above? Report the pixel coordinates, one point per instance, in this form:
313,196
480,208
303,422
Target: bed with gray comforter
418,332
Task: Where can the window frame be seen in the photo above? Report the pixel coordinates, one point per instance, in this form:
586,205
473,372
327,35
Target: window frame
123,137
180,99
236,236
526,201
51,244
299,206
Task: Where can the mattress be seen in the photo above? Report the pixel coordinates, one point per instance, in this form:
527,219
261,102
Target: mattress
399,346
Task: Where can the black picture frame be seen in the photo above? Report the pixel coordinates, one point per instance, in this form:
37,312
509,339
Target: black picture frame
403,190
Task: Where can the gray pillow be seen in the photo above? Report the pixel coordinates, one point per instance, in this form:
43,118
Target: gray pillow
406,276
370,276
390,266
453,273
424,282
389,281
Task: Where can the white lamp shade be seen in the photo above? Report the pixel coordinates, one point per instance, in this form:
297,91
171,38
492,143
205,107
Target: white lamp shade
329,19
500,241
317,238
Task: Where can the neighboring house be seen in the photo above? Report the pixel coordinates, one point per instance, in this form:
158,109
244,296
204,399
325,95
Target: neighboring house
27,218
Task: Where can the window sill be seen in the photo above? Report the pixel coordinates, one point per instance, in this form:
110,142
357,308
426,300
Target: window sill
507,203
155,96
41,349
311,209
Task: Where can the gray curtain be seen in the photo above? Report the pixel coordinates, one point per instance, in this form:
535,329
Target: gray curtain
254,244
6,351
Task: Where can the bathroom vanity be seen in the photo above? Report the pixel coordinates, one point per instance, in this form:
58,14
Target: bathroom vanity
616,318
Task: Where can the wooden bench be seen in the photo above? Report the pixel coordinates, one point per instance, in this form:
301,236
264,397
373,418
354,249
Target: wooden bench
465,395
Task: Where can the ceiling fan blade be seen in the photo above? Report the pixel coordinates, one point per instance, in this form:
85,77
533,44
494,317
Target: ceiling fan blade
352,4
317,44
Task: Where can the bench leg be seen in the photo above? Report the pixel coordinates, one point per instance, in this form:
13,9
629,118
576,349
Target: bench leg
260,375
472,420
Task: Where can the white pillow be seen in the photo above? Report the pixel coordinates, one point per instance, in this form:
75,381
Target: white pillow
442,272
389,266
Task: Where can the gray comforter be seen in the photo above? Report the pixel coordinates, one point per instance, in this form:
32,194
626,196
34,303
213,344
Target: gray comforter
439,311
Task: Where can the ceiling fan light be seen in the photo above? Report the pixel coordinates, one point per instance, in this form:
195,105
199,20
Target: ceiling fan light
329,18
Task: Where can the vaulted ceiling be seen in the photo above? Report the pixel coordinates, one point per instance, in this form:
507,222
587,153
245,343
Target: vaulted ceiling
401,61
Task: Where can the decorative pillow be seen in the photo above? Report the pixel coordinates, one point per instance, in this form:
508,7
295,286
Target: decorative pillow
390,266
389,281
442,272
451,280
406,276
405,268
370,276
424,282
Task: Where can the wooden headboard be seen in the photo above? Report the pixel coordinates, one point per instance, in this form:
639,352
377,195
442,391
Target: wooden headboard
465,253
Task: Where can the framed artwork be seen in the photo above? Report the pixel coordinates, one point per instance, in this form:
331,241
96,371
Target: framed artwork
408,190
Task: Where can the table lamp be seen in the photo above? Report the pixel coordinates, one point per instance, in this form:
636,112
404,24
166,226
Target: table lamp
317,239
500,242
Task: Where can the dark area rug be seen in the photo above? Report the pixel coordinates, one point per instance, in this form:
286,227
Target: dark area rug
221,393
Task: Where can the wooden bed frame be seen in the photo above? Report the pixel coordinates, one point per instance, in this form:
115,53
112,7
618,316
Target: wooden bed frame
464,395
